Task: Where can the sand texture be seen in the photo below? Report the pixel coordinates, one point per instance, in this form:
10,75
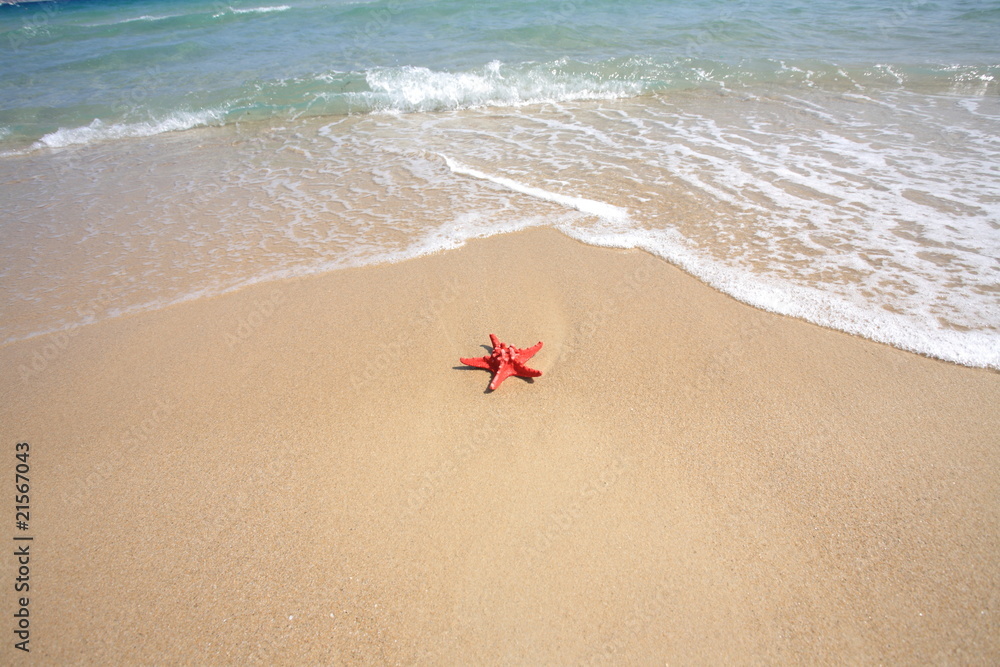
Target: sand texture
302,473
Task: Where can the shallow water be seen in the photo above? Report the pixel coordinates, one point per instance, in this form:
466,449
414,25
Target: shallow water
835,164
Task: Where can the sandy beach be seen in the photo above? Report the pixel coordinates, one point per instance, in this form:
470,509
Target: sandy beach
302,472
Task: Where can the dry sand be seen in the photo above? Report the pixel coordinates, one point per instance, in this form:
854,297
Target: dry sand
301,472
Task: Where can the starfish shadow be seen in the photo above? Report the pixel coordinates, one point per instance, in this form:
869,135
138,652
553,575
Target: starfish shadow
466,367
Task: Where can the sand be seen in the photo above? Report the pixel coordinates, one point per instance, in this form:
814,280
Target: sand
302,473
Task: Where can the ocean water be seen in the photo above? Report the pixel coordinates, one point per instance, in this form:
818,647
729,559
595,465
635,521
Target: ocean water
836,162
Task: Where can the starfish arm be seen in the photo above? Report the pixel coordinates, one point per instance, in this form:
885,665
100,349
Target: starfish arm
504,372
478,362
529,352
494,341
523,371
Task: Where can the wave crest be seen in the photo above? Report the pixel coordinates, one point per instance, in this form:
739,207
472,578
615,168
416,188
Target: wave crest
409,89
100,131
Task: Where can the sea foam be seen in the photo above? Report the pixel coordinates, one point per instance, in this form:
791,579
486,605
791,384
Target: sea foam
260,10
411,88
99,131
600,209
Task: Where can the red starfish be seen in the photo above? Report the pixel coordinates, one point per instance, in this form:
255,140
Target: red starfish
506,360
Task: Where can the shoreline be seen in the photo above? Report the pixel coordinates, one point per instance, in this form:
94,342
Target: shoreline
303,471
156,221
55,339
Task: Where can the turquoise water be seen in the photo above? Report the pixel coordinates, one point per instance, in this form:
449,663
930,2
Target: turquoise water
142,67
837,162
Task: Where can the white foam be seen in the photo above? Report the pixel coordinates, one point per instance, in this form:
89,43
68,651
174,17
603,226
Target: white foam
134,19
261,10
852,224
98,130
819,306
600,209
842,218
253,10
420,89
